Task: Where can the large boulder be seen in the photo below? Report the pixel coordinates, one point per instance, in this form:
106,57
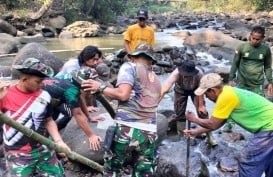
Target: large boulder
212,38
5,27
83,29
57,22
78,141
38,51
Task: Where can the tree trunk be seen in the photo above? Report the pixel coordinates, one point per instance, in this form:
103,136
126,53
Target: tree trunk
46,6
91,5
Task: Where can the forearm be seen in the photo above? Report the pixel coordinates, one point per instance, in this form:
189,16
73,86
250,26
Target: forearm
126,46
201,130
200,101
117,93
205,123
268,68
234,67
83,123
52,130
84,106
268,74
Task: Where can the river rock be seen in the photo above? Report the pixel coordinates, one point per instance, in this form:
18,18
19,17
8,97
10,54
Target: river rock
228,164
9,44
57,22
172,161
38,51
5,27
83,29
78,141
211,38
5,71
29,39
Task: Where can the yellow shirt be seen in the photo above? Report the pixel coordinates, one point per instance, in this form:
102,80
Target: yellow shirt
225,104
138,35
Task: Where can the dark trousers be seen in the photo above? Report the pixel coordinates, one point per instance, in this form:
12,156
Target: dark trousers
257,156
180,104
67,115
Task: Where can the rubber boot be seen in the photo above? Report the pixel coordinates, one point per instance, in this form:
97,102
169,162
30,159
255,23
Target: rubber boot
227,127
180,127
211,140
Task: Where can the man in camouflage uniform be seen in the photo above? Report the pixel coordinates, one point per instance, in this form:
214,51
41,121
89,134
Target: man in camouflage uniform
138,92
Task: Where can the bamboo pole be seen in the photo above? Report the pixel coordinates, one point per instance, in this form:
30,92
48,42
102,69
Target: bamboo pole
31,134
53,51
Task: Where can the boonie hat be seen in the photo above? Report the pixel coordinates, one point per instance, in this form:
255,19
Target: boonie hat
84,73
142,13
208,81
187,68
144,49
33,66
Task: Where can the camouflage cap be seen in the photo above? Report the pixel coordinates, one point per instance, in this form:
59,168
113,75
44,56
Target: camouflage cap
84,73
208,81
33,66
143,49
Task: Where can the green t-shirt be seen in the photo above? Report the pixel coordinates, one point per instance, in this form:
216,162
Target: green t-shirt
249,110
251,65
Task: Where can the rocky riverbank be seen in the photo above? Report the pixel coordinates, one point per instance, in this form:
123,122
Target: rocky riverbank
218,34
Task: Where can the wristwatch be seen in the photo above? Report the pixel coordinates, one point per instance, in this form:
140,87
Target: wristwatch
101,88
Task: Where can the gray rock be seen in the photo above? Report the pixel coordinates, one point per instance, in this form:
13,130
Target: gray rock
9,44
38,51
227,164
5,27
30,39
172,161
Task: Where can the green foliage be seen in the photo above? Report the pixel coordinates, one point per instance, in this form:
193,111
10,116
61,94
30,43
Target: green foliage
102,11
227,6
107,10
10,4
263,4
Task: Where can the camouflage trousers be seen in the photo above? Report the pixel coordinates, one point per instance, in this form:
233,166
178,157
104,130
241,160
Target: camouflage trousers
132,153
40,162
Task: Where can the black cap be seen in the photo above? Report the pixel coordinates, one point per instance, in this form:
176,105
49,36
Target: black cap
188,68
142,13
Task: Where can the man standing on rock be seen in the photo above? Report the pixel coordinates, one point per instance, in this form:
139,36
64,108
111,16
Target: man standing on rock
139,33
138,91
186,79
253,61
247,109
